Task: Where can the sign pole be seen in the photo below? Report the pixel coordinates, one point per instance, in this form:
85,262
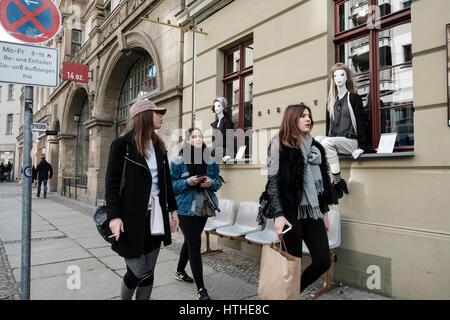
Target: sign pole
26,195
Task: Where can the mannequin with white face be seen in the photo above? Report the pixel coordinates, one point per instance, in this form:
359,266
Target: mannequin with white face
222,124
340,79
218,109
345,124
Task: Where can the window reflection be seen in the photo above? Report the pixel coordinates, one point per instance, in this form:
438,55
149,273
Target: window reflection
400,120
355,54
390,6
352,14
232,62
395,45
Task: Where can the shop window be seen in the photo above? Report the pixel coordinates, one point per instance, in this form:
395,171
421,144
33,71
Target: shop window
141,82
82,151
76,42
9,123
381,58
238,89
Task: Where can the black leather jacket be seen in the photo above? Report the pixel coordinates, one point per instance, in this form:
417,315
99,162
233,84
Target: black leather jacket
285,181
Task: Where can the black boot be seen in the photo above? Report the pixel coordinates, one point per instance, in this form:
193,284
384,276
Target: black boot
340,188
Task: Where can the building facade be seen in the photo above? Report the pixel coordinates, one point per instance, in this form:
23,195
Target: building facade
128,59
9,125
264,55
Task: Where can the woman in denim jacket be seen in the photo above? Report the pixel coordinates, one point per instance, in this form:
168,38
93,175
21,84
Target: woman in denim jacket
195,179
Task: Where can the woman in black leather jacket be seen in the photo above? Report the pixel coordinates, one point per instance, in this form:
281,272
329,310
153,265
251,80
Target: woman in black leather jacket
299,190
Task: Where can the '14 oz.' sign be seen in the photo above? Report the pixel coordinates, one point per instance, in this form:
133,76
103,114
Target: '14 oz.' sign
75,72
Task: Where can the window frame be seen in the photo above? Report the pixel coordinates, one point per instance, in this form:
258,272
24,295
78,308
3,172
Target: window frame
9,123
240,75
137,75
73,42
391,20
11,92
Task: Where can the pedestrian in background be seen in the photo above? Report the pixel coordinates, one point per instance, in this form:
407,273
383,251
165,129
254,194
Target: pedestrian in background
8,171
2,171
44,171
139,218
300,190
195,179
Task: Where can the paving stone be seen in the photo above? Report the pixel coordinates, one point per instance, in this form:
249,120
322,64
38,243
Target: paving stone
56,269
95,285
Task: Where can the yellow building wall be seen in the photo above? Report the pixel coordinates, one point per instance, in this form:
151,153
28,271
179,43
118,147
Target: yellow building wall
396,215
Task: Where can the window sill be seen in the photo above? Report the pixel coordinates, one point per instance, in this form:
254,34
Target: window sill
401,155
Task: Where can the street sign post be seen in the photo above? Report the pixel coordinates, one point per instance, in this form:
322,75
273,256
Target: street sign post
32,21
29,65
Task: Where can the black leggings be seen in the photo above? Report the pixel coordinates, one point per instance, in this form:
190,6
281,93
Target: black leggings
192,227
314,234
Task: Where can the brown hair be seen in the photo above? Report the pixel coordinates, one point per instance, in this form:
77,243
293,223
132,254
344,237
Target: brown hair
141,127
290,135
350,84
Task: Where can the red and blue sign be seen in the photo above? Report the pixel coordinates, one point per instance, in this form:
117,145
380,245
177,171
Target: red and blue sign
31,21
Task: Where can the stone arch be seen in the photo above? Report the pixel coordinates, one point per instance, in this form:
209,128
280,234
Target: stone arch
74,100
117,65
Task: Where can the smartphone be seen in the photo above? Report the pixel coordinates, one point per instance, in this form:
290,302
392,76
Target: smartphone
284,231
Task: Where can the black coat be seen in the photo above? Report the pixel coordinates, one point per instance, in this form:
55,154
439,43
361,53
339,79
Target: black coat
362,133
285,188
133,204
225,124
43,169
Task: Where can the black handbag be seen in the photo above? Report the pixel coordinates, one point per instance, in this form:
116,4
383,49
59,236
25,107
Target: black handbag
101,216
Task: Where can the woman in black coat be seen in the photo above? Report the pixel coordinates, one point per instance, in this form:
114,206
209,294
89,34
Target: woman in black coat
139,218
299,190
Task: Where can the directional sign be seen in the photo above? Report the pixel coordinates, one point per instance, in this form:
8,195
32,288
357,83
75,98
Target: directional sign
32,21
28,65
42,127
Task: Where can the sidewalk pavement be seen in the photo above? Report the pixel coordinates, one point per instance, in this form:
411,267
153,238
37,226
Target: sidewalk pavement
64,235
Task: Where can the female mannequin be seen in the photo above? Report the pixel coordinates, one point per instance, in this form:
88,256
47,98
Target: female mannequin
346,131
222,148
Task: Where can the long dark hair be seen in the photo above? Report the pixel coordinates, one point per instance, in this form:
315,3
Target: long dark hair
191,155
290,135
142,129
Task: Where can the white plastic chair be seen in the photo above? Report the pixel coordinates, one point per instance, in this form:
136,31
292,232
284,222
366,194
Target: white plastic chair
266,236
223,218
245,222
334,241
334,235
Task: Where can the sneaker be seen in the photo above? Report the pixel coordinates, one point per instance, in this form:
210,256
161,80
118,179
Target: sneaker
202,294
45,196
183,276
37,195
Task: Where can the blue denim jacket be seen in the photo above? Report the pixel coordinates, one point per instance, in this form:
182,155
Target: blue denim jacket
186,194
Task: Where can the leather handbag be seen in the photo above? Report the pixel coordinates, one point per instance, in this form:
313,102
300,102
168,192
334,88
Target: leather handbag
101,216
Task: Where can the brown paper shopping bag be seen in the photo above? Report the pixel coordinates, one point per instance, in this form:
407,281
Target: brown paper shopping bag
279,274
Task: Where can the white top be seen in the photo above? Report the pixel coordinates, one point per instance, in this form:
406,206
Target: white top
153,166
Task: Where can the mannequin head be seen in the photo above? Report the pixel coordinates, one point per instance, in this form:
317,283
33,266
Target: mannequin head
219,105
341,78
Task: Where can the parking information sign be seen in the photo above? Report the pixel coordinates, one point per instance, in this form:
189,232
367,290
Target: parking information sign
29,65
32,21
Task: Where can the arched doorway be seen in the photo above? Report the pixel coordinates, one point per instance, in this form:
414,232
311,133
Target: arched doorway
82,147
139,83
